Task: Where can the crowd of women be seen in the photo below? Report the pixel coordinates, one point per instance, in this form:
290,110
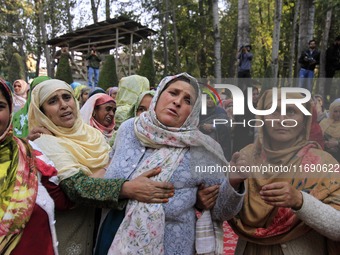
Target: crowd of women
111,172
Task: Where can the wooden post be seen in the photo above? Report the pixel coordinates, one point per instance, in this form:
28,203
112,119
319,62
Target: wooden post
131,41
117,38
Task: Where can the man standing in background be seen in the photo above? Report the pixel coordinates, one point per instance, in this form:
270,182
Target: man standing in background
245,58
308,60
93,56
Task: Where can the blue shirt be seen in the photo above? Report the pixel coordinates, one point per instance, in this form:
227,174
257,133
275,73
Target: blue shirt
245,61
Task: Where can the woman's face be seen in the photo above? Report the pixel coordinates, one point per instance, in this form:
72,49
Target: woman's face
85,95
114,93
255,96
144,104
336,113
61,108
17,87
4,114
281,137
105,113
175,103
210,102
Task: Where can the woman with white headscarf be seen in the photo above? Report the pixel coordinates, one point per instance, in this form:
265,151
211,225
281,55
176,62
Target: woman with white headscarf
167,136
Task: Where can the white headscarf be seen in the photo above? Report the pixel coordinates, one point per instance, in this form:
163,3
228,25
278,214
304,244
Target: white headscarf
171,144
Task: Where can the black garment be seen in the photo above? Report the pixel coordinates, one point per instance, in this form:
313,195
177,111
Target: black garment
332,64
310,64
243,134
244,74
332,60
221,132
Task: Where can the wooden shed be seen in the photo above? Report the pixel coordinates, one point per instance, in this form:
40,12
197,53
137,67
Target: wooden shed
109,34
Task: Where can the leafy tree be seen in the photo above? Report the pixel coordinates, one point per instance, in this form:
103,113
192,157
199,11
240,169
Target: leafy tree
64,71
147,67
108,76
16,69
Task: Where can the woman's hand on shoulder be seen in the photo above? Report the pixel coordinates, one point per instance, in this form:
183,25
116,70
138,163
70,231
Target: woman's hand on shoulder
36,132
282,194
145,190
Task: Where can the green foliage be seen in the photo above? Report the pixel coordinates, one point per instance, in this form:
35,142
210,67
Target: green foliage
147,67
108,76
64,71
16,69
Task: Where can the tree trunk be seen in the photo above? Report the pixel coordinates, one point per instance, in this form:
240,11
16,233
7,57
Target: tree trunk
107,9
203,50
243,22
264,55
324,43
164,24
292,47
276,39
217,41
175,36
94,10
307,13
233,60
69,17
44,37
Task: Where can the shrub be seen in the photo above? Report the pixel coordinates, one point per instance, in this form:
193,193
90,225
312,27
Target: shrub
16,69
64,71
108,76
147,67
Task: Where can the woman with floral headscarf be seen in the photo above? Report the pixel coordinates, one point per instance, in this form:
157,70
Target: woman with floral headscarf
331,130
295,210
20,94
81,153
167,136
27,207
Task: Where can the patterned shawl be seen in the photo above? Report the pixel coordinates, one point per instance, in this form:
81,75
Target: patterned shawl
142,230
87,114
129,89
83,146
20,118
19,185
329,126
264,224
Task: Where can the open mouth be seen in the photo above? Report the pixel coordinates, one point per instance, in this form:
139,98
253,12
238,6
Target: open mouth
66,114
173,111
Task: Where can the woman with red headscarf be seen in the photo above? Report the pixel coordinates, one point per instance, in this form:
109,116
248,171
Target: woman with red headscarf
99,112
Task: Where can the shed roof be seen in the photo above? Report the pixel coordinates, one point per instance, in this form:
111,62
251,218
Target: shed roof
104,34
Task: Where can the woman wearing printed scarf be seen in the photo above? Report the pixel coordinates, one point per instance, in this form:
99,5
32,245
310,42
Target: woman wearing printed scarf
129,89
293,212
142,104
331,130
27,207
99,112
20,118
80,153
167,136
20,94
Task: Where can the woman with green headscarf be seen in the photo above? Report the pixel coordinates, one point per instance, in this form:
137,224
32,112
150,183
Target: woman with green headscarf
20,118
142,104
